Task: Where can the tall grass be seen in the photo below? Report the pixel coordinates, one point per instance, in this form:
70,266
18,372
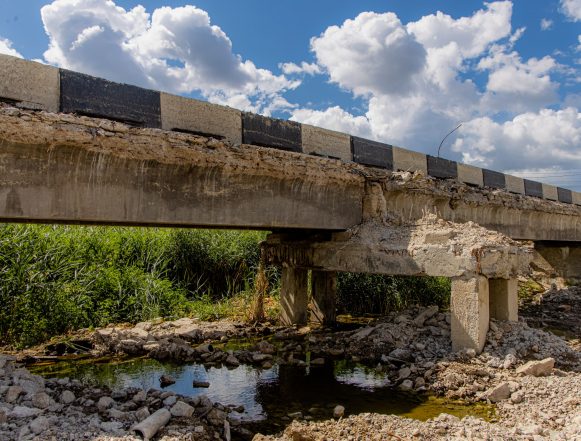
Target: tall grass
57,278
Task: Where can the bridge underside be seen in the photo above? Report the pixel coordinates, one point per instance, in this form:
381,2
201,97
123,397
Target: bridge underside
57,168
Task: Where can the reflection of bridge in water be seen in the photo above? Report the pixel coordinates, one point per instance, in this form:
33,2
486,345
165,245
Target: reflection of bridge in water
122,155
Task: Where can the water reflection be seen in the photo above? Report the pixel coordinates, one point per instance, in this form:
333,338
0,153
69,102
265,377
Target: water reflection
268,396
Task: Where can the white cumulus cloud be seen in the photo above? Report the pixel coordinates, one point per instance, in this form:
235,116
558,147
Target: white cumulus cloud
303,68
173,49
530,140
415,79
572,9
546,24
6,48
372,53
411,74
335,118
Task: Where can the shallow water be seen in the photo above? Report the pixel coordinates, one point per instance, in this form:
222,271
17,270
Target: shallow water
267,395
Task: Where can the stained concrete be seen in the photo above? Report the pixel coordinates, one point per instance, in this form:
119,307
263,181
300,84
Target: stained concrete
294,296
97,171
504,299
420,249
518,217
324,294
179,113
470,174
408,160
31,85
550,192
515,184
469,305
327,143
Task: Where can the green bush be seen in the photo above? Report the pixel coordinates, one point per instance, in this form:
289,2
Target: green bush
377,294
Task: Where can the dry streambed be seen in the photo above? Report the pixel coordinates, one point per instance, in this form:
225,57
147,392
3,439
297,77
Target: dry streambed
532,376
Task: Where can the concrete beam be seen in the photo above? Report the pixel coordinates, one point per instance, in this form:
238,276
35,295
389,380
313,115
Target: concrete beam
294,296
518,217
469,305
412,250
63,168
504,299
407,160
324,294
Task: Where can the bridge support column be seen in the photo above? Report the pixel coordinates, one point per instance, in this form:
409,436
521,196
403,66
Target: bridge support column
294,296
504,299
469,306
324,291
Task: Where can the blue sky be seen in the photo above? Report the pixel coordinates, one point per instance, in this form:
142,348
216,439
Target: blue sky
403,72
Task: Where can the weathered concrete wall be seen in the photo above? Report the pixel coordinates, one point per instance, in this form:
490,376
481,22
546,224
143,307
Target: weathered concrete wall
517,216
62,168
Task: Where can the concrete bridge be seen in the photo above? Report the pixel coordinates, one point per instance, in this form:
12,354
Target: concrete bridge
83,150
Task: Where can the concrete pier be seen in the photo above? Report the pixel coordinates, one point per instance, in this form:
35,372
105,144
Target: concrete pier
324,294
294,296
504,299
469,306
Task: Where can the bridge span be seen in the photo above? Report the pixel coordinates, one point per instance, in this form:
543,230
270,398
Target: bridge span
83,150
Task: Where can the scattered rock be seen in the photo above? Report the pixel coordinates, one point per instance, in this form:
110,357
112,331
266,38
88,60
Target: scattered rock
231,360
181,409
406,385
41,400
201,384
166,380
425,315
537,368
39,425
404,373
13,393
105,403
499,393
338,411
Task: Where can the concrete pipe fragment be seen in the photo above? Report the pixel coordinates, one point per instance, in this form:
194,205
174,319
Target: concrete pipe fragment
205,348
152,424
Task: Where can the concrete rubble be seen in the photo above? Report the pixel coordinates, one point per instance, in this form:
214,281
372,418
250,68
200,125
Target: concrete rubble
532,377
32,408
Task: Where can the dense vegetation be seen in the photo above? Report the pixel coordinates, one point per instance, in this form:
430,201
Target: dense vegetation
54,279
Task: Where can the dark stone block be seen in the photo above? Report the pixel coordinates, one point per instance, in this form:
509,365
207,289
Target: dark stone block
493,179
565,195
372,153
87,95
269,132
442,168
533,188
